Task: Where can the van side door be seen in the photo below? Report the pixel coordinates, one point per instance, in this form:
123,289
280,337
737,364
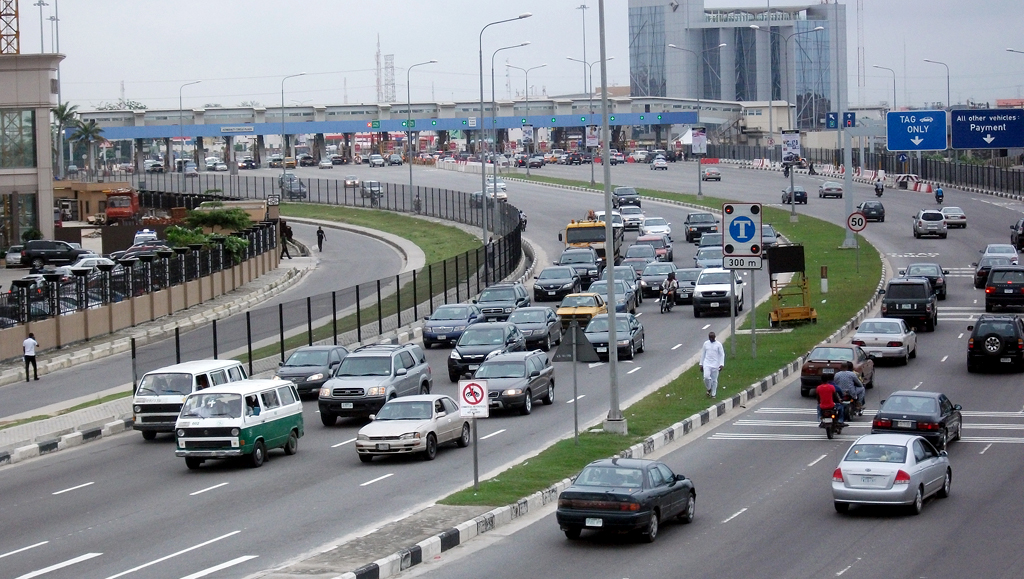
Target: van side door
273,433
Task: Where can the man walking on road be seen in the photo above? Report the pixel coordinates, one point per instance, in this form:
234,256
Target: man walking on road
284,241
29,346
712,360
320,237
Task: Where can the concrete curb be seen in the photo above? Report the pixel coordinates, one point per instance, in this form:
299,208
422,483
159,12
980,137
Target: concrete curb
65,440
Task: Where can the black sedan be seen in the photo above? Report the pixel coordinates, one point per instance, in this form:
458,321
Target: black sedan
933,272
625,495
687,278
310,366
629,335
446,324
927,414
798,194
540,325
872,210
554,283
986,264
518,379
653,276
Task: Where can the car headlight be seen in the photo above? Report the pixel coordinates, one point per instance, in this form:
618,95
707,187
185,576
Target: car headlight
567,286
527,332
492,354
315,377
376,391
693,229
234,432
138,409
181,432
410,436
513,392
362,436
714,228
620,302
455,355
459,328
643,283
509,310
592,271
623,342
325,391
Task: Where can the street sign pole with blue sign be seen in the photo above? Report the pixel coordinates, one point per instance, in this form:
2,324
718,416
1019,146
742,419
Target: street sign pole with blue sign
987,128
916,131
831,121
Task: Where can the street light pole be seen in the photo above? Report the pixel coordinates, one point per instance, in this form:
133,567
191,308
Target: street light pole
893,83
589,65
700,180
284,142
526,71
483,173
947,78
181,133
408,123
40,4
494,139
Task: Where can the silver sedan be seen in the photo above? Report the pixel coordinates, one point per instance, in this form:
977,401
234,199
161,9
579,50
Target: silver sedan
413,424
891,469
887,338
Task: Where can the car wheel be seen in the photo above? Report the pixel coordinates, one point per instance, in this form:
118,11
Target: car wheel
686,517
988,307
971,368
573,533
643,344
915,507
632,351
913,353
427,344
696,313
292,446
328,418
906,359
463,440
547,343
192,462
258,455
148,435
365,458
881,220
453,377
549,398
431,452
943,440
916,235
993,344
528,404
943,236
958,429
37,263
651,533
425,389
841,507
946,484
942,296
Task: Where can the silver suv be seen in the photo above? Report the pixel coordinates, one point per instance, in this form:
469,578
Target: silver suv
930,222
370,376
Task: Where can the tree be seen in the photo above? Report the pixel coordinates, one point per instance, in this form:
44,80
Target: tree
88,132
122,105
65,116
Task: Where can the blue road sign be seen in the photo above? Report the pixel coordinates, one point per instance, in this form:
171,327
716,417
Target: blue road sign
987,129
849,119
916,131
831,120
742,229
902,157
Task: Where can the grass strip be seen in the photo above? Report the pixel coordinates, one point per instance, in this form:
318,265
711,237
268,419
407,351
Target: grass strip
685,395
88,404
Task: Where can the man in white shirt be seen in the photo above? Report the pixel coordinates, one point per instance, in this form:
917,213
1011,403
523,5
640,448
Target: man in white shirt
29,348
712,360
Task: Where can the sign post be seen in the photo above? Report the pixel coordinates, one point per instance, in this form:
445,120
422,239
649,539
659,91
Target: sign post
473,403
791,155
699,147
856,222
987,129
915,131
576,349
742,248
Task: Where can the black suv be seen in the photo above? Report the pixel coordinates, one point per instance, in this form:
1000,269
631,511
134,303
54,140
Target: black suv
996,341
499,300
911,299
554,283
39,252
518,379
574,159
933,272
698,224
625,196
585,261
1004,287
480,341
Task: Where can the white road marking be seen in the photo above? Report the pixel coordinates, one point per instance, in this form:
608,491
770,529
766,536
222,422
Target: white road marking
944,358
172,555
817,460
960,336
634,370
975,301
595,364
378,479
16,551
918,385
639,314
349,441
740,512
677,346
67,563
207,489
986,448
216,568
72,488
495,433
706,326
571,400
844,570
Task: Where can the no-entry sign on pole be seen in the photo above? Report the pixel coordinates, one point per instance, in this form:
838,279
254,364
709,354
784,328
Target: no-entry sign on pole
473,398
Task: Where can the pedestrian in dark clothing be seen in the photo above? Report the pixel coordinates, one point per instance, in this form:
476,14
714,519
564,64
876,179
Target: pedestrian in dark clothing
29,348
490,252
320,237
285,229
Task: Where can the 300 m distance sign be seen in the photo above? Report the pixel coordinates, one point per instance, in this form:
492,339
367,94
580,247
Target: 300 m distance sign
856,221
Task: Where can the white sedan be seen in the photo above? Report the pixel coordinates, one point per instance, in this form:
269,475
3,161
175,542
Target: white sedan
955,217
659,163
887,338
411,425
325,164
656,226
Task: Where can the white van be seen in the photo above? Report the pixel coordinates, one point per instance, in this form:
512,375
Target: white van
244,418
144,235
161,392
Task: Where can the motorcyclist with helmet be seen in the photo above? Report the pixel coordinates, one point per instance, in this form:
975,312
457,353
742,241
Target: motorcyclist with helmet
879,187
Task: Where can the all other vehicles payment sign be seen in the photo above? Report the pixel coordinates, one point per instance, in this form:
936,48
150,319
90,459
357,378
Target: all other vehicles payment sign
473,401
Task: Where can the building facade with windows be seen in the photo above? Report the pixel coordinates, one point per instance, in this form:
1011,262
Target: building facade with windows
785,58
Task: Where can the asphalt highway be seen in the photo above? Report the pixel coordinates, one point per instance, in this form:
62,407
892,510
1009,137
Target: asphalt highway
127,503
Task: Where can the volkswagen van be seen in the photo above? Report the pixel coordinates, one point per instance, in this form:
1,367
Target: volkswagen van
161,392
239,419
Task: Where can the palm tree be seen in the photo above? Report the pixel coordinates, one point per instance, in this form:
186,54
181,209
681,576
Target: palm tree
89,132
65,116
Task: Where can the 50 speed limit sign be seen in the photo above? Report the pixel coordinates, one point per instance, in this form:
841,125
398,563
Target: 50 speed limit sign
856,221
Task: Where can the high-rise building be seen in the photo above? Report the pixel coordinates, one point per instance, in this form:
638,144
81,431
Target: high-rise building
784,58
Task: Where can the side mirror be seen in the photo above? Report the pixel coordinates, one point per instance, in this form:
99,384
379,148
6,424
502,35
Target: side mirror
680,477
943,453
559,237
945,272
970,328
401,372
426,318
279,364
903,272
957,407
881,403
881,292
974,265
535,373
473,300
373,417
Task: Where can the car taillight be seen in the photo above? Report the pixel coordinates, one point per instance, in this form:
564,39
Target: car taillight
893,344
859,342
970,343
902,478
920,223
881,423
837,475
928,308
930,426
1020,344
989,289
884,308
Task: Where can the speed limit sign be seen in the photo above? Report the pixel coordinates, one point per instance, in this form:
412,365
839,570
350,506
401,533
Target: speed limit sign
856,221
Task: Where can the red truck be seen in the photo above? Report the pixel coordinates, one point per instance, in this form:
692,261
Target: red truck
123,206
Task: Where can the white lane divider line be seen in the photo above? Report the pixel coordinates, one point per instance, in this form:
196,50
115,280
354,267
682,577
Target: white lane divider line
817,460
736,514
223,565
639,314
67,563
199,492
173,555
918,385
571,400
349,441
73,488
986,448
595,364
960,336
706,326
634,370
944,358
378,479
16,551
495,433
677,346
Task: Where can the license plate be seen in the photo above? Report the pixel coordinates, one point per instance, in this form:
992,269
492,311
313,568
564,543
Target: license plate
826,419
551,293
828,370
473,367
904,424
875,354
906,306
601,349
1005,360
656,287
867,480
1007,291
383,446
593,522
346,405
442,337
714,304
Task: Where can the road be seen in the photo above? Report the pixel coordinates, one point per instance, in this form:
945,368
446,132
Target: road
283,509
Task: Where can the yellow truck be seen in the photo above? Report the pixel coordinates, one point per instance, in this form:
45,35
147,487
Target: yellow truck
590,232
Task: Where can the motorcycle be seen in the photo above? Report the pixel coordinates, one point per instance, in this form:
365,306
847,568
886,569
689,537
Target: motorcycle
878,190
522,220
666,301
938,197
852,407
830,422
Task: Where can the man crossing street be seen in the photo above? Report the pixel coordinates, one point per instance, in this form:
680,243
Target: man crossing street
320,237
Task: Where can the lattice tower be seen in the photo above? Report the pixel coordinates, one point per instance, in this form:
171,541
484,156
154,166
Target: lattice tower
380,86
10,42
389,78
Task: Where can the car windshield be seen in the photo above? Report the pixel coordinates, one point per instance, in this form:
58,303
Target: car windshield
912,404
655,243
659,269
579,302
555,273
497,295
398,410
365,366
768,231
585,234
611,476
877,453
577,257
880,328
165,385
924,270
501,370
1001,249
640,251
630,210
701,218
710,253
482,337
992,261
212,405
932,216
688,274
601,287
450,313
1000,328
308,358
842,354
527,317
601,325
625,191
717,277
905,291
655,221
1006,276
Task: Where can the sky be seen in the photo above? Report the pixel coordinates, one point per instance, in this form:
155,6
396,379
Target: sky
241,49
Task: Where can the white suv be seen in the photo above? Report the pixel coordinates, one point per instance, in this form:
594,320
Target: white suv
712,291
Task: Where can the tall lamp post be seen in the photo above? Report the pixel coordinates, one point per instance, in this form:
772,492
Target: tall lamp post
408,122
483,173
40,4
526,71
947,77
700,192
284,142
494,140
590,65
181,132
893,82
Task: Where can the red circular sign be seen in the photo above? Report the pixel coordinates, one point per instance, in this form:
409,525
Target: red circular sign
473,393
856,221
